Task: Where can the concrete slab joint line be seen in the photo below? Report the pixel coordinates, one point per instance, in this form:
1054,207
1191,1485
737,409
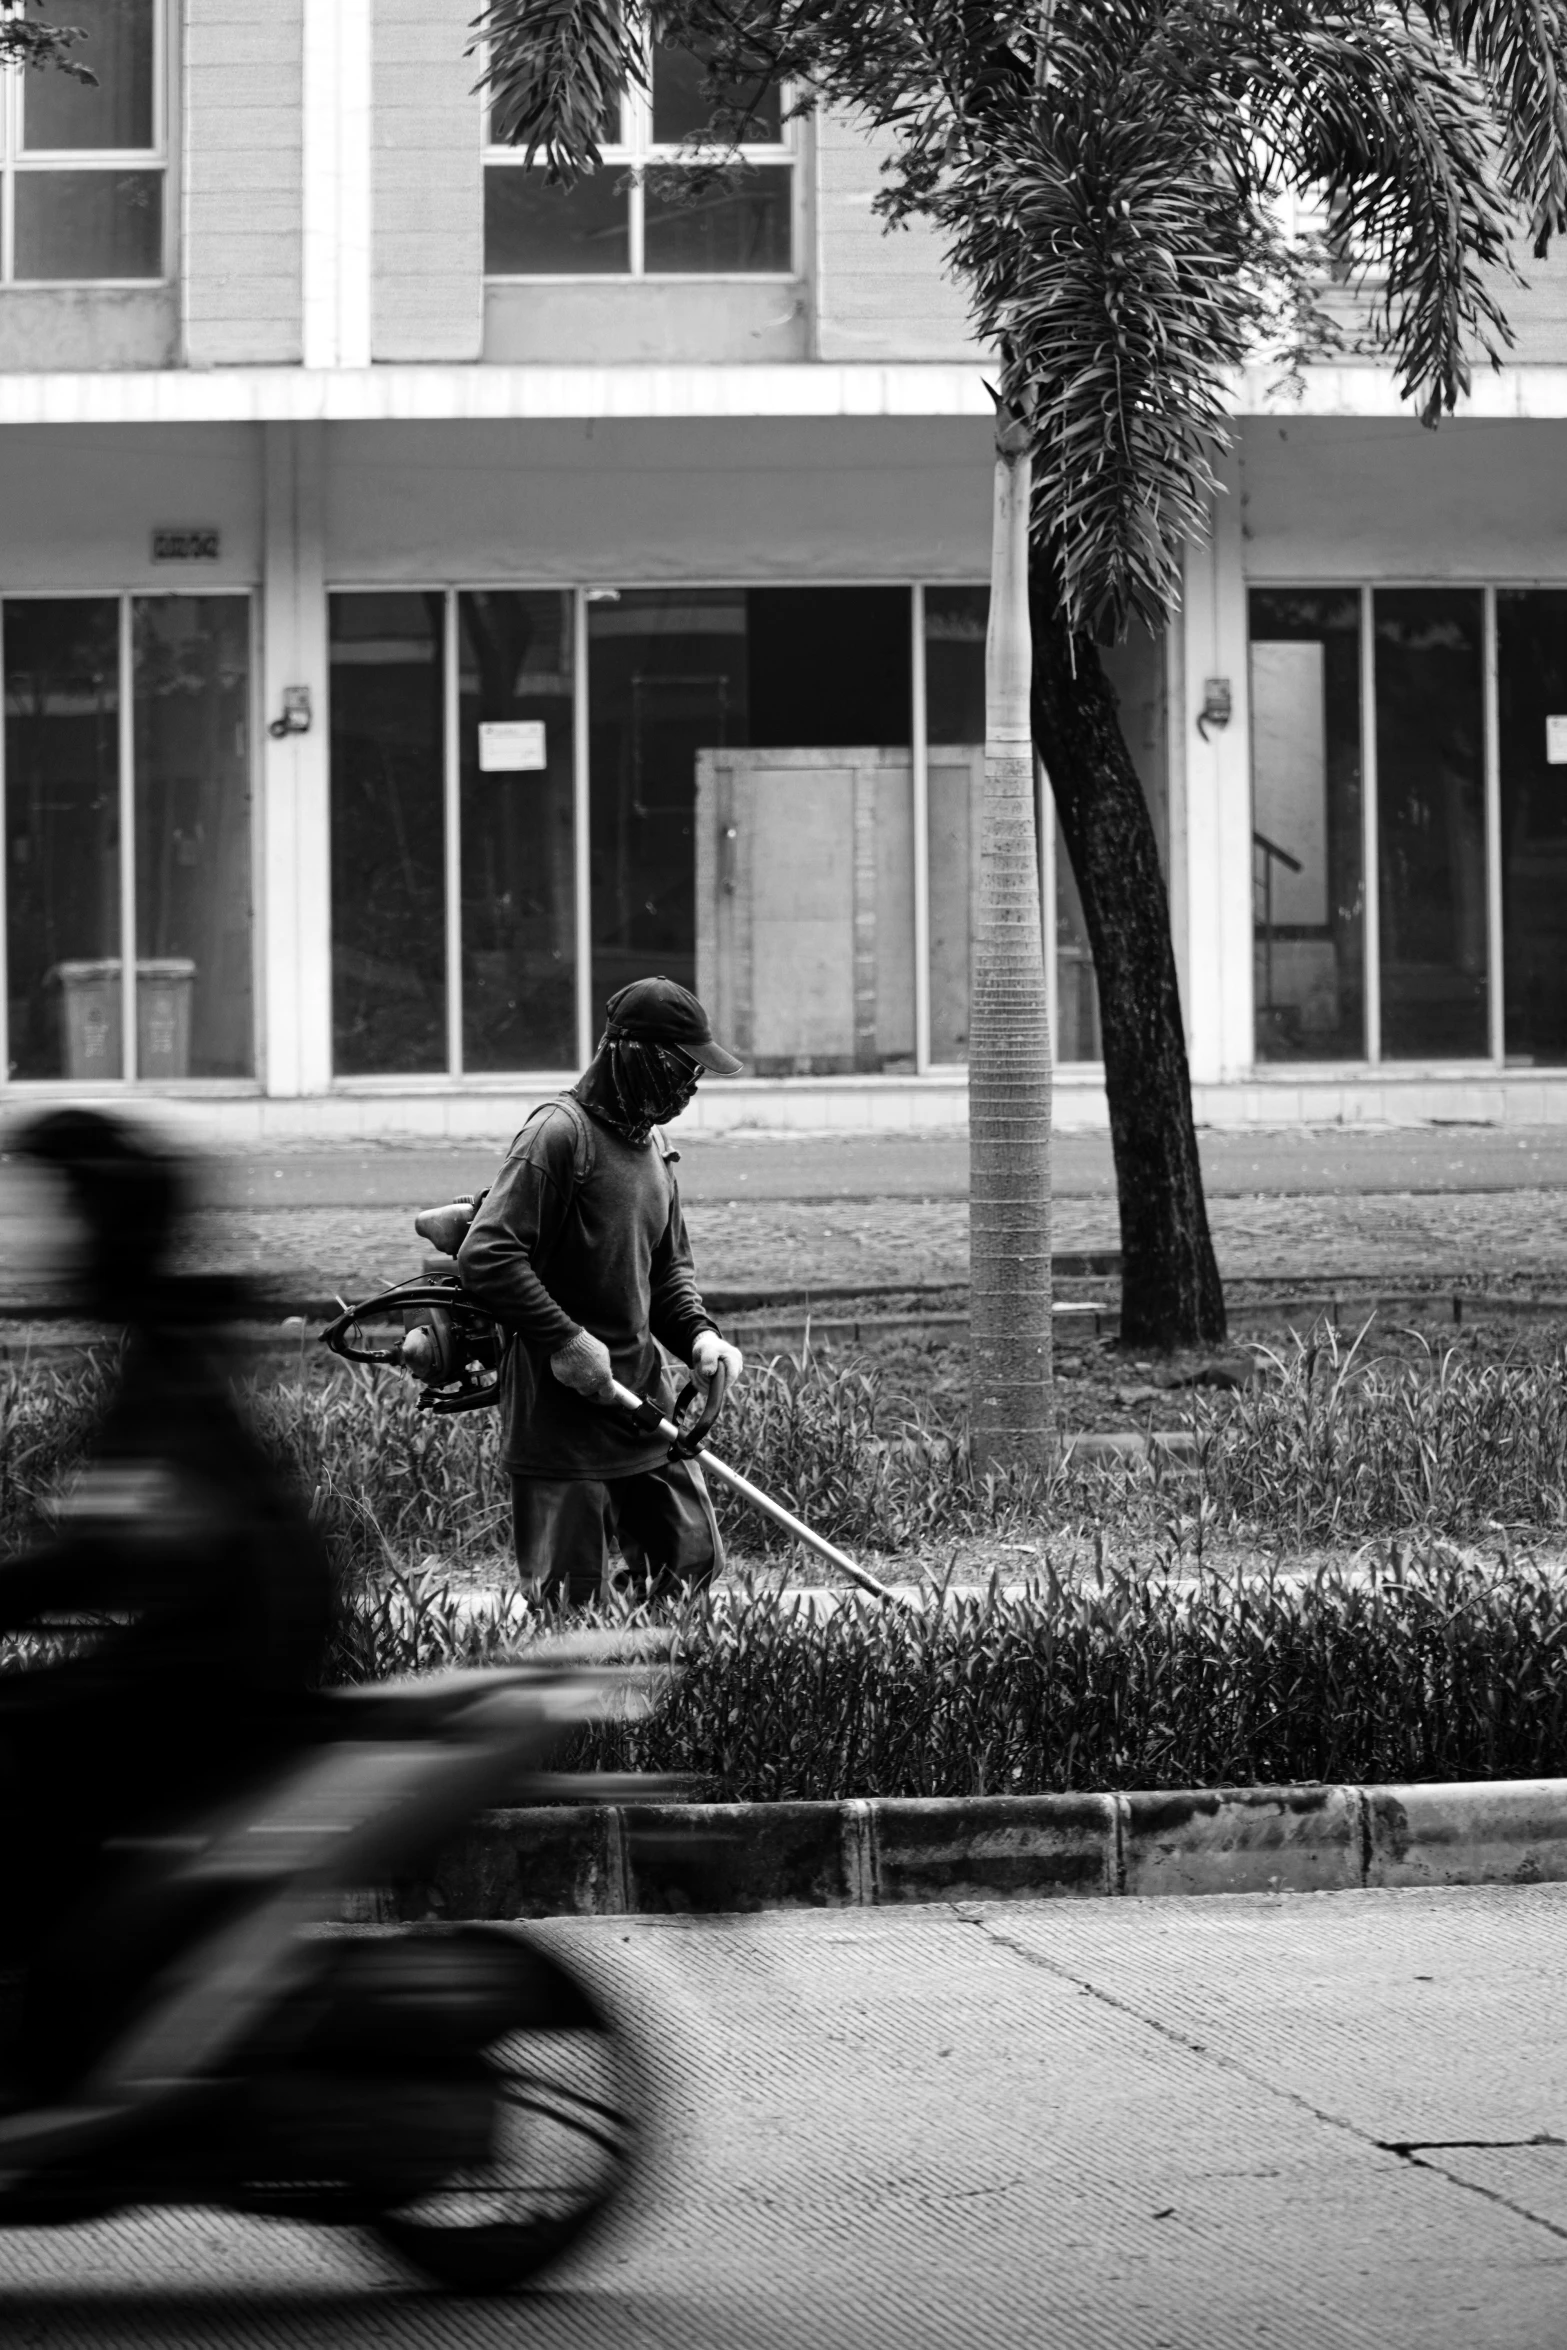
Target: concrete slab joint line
865,1853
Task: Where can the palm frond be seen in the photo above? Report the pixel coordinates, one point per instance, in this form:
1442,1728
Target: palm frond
556,71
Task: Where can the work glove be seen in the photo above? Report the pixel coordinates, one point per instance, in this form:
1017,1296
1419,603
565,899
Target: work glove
583,1365
709,1351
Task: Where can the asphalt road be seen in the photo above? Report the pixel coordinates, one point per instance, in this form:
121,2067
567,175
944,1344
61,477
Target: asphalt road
1161,2125
1433,1159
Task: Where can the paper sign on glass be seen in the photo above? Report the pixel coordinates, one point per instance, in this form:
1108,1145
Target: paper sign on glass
509,746
1556,742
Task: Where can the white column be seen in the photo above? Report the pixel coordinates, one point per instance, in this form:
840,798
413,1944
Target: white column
1215,764
337,183
295,893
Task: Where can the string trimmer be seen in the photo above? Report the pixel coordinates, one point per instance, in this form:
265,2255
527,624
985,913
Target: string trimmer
453,1348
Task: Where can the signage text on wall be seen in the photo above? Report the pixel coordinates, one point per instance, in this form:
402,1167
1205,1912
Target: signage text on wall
187,546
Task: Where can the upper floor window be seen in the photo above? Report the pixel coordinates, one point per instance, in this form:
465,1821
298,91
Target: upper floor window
82,167
641,214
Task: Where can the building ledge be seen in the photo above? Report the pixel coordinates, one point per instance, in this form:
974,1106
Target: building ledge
1523,392
266,395
804,388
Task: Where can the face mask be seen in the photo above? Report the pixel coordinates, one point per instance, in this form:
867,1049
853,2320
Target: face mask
634,1087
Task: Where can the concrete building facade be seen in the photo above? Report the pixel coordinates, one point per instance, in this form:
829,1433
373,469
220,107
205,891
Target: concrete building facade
427,602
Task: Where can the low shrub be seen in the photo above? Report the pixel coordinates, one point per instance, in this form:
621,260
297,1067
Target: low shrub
1411,1666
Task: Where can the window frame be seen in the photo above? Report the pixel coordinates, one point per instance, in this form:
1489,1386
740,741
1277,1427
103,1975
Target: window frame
17,161
631,155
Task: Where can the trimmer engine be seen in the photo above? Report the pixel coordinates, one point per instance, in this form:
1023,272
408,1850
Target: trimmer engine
451,1346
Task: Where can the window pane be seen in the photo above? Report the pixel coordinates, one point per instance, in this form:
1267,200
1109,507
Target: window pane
62,834
388,835
723,229
680,110
1308,887
193,938
955,620
1431,822
88,224
829,665
58,111
518,937
752,814
1531,661
608,130
667,683
533,230
1077,1036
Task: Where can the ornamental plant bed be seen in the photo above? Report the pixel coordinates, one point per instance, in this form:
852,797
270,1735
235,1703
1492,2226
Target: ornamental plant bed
1402,1667
1399,1430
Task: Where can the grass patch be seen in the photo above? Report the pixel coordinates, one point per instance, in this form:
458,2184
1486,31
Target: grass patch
1334,1445
1135,1657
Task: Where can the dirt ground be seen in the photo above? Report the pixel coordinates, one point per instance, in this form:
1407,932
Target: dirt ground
1473,1241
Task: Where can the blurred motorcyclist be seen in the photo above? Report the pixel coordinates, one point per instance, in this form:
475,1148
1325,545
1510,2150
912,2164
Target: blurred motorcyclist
206,1592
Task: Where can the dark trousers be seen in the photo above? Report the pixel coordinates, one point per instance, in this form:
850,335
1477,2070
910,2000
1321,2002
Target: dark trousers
662,1519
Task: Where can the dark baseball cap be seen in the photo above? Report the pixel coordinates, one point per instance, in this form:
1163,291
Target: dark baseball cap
660,1011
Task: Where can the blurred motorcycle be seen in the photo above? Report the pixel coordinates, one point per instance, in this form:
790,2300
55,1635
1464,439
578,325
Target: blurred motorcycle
457,2092
184,2018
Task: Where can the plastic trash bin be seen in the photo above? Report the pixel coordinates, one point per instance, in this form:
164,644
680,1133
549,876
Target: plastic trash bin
90,1017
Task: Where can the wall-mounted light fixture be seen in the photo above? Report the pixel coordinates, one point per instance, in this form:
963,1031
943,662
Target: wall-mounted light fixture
1217,706
296,713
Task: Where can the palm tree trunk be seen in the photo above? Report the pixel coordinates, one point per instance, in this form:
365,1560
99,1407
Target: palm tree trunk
1011,1404
1170,1289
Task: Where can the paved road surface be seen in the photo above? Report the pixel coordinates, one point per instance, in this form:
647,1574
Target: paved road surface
1164,2125
1474,1206
1417,1159
812,1167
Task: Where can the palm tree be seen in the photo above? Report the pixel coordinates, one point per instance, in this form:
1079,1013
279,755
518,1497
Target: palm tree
1011,1420
1110,177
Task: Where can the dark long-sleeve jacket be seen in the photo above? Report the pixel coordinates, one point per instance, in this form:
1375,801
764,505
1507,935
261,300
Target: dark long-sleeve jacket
550,1254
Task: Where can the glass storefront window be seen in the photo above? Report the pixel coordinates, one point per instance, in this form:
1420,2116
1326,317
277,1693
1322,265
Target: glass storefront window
183,893
515,722
388,834
1531,665
1308,889
193,828
667,680
955,620
62,825
1431,881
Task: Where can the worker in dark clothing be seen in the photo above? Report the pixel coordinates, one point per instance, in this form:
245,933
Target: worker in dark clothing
579,1250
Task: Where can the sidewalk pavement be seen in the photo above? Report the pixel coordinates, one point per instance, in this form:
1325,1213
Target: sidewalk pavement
1467,1207
1310,2123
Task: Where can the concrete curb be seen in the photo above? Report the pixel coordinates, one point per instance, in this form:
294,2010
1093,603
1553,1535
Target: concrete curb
612,1859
